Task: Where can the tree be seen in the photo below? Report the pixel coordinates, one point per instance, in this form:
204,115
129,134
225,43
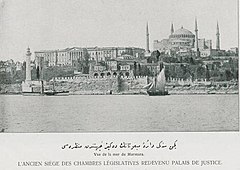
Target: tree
200,72
144,71
167,73
157,55
51,72
139,69
135,69
231,64
85,65
192,61
228,75
207,73
181,59
120,84
236,74
38,73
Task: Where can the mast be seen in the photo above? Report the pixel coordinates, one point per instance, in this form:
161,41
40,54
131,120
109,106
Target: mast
53,83
155,84
42,87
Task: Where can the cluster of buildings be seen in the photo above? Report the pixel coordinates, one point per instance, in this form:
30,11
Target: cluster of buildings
10,71
127,61
123,60
102,60
10,66
105,61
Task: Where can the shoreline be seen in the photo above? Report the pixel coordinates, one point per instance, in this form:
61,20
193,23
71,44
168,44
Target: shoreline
103,89
139,93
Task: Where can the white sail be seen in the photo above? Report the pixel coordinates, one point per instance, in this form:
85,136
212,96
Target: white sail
161,81
147,86
152,86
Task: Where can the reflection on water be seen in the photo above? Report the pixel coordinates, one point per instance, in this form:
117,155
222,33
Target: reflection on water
118,113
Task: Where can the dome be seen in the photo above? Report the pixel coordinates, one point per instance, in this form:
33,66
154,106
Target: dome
182,31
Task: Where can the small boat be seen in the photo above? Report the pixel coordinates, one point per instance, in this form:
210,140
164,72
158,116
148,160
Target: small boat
46,93
157,86
56,93
211,92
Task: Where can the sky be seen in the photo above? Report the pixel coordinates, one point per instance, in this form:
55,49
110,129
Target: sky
59,24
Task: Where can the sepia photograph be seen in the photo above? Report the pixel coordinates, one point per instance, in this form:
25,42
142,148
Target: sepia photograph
77,66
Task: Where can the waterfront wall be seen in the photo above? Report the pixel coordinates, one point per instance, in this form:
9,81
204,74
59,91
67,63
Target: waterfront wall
100,85
87,85
143,80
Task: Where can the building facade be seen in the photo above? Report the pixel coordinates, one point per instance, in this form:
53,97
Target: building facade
66,57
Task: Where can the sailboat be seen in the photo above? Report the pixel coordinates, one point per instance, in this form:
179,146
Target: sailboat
157,86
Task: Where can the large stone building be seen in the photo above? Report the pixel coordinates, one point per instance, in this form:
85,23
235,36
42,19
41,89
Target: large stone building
184,42
69,55
179,41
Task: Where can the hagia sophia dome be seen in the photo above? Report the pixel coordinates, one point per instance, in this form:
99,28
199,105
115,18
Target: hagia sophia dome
182,33
181,38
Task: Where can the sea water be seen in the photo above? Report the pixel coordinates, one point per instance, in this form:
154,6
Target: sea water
118,113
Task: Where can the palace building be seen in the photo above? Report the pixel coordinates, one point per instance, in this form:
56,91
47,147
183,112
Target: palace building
69,55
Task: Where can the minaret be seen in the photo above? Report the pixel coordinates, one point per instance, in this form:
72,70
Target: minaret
147,39
172,29
196,37
218,38
28,65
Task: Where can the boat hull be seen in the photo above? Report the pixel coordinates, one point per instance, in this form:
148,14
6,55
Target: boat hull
62,93
54,93
157,93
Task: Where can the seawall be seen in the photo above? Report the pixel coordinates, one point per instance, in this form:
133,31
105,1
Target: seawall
127,86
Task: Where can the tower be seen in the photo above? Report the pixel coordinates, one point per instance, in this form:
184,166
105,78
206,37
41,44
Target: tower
218,38
147,39
196,37
172,29
28,65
